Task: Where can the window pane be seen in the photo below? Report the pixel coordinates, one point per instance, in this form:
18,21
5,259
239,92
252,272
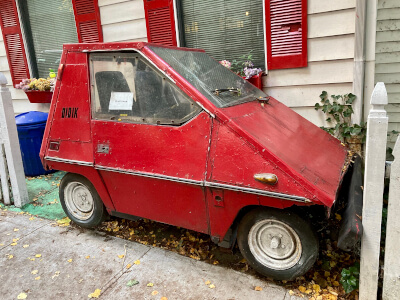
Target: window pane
52,24
127,89
207,75
225,29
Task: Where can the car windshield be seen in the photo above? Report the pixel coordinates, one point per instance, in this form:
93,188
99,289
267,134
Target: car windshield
220,85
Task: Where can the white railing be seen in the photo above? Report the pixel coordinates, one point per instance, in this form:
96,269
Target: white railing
11,169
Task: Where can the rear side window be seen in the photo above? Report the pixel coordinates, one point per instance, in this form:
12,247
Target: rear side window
126,88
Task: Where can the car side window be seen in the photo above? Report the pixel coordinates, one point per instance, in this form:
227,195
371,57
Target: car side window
126,88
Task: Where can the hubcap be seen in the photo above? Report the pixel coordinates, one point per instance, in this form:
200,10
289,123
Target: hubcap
274,244
79,200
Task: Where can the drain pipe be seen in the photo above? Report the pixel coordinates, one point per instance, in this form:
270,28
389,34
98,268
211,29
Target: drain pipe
359,60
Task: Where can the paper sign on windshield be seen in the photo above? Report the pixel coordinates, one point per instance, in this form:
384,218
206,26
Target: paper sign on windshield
121,101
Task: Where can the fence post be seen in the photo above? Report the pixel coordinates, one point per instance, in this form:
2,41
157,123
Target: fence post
391,280
375,157
12,151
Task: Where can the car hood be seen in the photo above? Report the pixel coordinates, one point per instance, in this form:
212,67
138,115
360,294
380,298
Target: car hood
313,157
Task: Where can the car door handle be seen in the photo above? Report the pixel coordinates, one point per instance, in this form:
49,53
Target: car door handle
103,148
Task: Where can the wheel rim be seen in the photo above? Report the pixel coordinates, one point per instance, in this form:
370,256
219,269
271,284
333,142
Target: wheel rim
274,244
79,200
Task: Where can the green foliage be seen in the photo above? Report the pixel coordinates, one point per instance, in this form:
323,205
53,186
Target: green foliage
350,278
238,65
338,110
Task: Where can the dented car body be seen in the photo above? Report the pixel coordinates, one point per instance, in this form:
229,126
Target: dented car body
170,135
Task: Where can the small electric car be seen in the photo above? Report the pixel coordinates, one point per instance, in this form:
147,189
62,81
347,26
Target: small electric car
171,135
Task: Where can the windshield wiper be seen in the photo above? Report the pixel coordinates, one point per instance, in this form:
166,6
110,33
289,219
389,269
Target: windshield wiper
233,90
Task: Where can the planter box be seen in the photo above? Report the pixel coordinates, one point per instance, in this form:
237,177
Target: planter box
39,96
256,80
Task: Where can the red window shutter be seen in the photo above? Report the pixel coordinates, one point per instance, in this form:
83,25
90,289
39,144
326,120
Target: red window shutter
286,33
13,42
87,19
160,22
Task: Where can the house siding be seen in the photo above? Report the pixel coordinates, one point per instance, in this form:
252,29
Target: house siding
387,66
331,40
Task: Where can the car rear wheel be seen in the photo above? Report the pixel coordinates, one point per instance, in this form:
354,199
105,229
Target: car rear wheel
277,244
80,201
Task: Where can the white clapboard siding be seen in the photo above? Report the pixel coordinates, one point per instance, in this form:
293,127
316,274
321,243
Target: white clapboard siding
388,78
387,47
389,14
388,36
322,72
130,30
318,6
110,2
331,23
331,48
387,58
388,4
387,68
122,12
306,95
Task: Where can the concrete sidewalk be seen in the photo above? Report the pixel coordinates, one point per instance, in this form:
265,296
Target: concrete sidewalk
44,261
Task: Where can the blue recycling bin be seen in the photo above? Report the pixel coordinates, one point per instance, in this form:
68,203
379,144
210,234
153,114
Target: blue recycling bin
30,127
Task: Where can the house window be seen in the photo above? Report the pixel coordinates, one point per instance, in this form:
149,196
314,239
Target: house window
47,26
224,29
230,29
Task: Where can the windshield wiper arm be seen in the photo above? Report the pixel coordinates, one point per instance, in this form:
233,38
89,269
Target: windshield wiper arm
233,90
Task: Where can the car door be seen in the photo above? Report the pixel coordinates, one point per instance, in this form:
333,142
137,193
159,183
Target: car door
150,141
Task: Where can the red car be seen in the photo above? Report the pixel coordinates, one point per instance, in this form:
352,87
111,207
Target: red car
171,135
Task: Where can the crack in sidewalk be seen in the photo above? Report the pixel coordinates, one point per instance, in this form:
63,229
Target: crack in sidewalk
108,285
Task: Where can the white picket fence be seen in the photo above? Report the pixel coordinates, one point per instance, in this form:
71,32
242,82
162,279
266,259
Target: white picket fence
13,186
372,207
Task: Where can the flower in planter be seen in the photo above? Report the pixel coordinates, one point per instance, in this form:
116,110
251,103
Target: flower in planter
243,66
33,84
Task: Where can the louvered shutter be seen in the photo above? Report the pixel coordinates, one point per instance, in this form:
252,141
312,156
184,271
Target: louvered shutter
286,33
160,22
13,42
87,18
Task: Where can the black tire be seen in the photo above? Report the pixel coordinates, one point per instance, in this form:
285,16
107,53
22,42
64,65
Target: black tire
275,228
90,211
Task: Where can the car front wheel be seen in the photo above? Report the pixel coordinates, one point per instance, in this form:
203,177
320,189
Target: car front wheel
277,244
80,201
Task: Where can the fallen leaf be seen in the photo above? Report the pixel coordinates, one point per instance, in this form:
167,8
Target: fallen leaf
316,288
32,259
128,266
87,256
56,274
10,256
291,293
34,272
64,222
302,289
121,256
338,217
154,293
208,282
137,262
95,294
1,244
22,296
150,284
132,282
37,278
16,240
16,229
164,298
13,244
38,255
31,218
258,288
211,286
25,246
69,260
